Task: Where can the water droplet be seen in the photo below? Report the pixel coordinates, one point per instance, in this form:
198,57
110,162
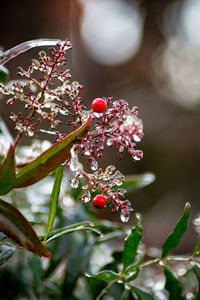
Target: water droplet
121,148
98,115
110,142
85,187
74,163
122,192
86,197
117,181
124,217
136,157
110,169
63,112
94,165
124,102
136,154
116,104
74,183
30,133
136,138
87,152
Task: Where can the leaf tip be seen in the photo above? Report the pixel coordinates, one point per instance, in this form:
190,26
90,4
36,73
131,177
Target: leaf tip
11,146
48,254
187,205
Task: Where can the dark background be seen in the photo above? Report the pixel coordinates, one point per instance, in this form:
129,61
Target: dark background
162,78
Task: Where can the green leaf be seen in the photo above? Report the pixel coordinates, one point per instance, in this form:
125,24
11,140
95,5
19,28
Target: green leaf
14,225
51,158
54,200
196,270
141,294
77,261
5,255
106,276
134,182
71,228
173,285
126,295
7,172
174,238
3,74
131,245
197,247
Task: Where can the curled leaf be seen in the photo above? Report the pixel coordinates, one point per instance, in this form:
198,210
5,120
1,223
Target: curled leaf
14,225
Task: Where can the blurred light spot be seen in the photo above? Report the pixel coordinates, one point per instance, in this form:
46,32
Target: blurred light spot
190,22
177,63
178,74
111,30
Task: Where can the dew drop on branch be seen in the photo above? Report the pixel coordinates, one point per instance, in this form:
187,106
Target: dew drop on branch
124,217
74,183
110,169
98,115
86,197
94,165
136,138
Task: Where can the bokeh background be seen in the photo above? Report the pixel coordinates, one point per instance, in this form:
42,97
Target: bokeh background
147,52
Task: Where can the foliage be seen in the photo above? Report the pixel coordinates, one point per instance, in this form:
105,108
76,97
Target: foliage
61,250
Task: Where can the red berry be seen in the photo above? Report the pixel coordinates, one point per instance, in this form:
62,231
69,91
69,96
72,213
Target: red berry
99,201
99,105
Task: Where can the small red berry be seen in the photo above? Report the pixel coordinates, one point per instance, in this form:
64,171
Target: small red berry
99,105
99,201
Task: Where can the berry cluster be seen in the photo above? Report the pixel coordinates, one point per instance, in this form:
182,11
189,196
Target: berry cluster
115,124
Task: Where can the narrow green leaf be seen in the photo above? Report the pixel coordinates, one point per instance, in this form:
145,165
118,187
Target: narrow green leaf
126,295
14,225
197,247
78,258
51,158
7,172
141,294
5,255
104,275
196,270
173,285
3,74
133,182
131,245
69,229
174,238
54,200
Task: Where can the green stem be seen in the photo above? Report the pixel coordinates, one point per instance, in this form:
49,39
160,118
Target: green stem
105,290
7,244
168,259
